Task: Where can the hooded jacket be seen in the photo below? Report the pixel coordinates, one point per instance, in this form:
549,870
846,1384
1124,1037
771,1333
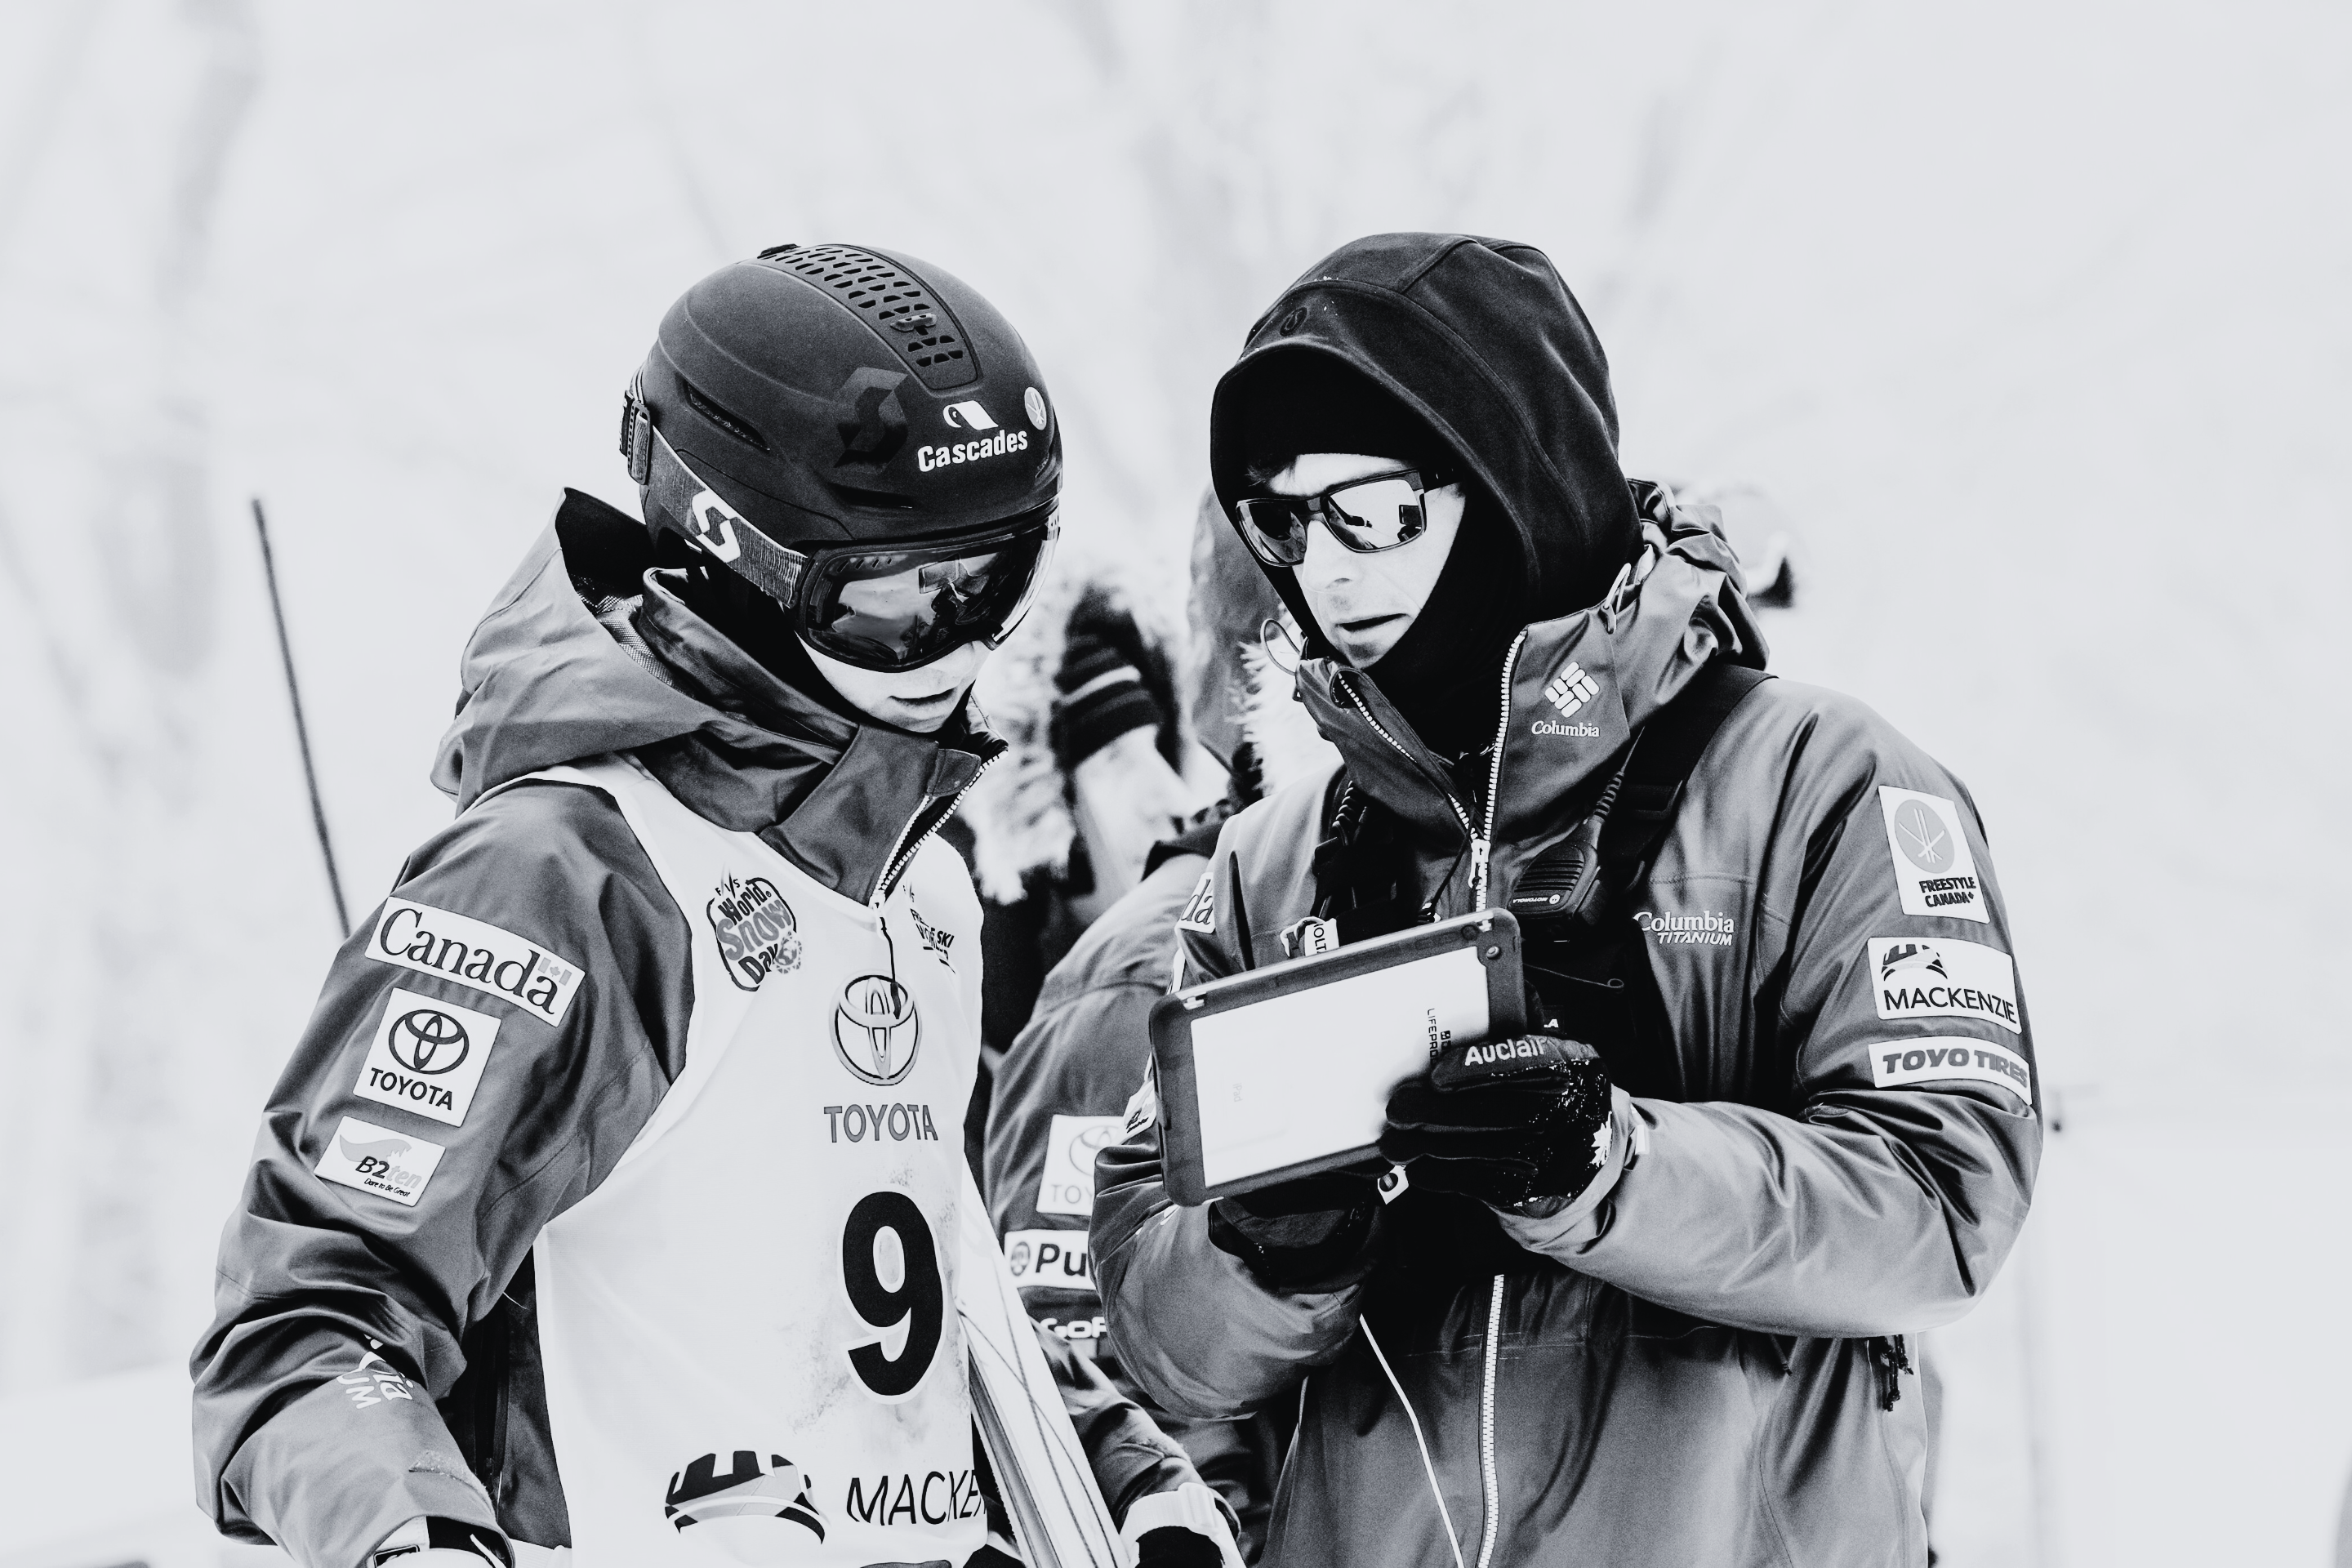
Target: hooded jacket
369,1363
1827,1118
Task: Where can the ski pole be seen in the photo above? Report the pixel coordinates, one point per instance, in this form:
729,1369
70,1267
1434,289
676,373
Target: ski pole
302,729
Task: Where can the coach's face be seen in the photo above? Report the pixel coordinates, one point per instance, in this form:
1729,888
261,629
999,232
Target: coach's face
1364,602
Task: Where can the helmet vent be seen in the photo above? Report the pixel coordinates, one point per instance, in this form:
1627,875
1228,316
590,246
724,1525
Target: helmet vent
735,424
913,321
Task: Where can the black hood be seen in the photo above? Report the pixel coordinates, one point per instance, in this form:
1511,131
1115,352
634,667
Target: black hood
1480,339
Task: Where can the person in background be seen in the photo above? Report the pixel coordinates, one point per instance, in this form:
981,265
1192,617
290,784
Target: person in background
1084,697
1063,1088
1644,1293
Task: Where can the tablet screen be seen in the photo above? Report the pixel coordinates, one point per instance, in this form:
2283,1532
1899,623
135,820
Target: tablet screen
1298,1076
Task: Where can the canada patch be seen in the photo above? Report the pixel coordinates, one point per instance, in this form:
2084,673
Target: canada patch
1934,871
491,959
1201,909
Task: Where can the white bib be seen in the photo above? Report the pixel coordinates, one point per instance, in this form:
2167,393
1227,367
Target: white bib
749,1332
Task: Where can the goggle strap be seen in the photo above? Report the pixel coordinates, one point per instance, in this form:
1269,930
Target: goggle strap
712,526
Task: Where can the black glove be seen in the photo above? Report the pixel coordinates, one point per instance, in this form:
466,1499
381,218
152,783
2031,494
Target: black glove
1174,1548
1299,1233
1519,1123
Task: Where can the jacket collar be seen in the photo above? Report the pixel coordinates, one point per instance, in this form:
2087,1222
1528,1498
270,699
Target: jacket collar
845,802
1573,691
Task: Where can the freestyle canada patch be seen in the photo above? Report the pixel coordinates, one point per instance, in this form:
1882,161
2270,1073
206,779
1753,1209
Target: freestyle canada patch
1933,870
476,953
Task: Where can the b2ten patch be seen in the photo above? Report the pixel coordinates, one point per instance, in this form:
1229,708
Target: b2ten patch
377,1160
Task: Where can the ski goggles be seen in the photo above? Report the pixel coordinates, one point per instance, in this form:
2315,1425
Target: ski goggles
890,605
1380,511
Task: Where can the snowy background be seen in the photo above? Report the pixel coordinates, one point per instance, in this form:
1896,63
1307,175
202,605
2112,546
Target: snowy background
2033,318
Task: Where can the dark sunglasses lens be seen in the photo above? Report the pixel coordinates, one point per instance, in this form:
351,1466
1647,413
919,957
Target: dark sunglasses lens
1276,527
1379,514
899,609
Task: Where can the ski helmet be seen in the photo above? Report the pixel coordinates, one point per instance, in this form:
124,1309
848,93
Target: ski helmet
859,436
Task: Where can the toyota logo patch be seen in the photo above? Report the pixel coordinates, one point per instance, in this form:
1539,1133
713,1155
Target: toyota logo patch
428,1041
876,1031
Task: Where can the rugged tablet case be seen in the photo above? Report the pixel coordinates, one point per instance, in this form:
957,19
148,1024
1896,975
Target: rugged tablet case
1495,938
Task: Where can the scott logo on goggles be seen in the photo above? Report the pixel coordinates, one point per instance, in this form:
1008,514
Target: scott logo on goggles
996,446
714,525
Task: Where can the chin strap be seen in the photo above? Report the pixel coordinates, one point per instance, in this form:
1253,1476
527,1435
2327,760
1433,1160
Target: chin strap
712,526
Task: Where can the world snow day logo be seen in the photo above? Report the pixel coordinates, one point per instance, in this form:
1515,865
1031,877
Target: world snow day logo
757,932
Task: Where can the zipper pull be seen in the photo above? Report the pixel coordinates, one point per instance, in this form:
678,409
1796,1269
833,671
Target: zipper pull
1479,849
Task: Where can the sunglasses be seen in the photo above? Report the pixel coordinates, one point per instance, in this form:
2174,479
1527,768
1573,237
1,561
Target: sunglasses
1380,511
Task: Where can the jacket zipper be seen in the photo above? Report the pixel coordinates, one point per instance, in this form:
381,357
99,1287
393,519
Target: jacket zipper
1486,1426
1461,812
1483,849
902,854
1481,843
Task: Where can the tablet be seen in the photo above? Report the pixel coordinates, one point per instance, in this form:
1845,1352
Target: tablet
1283,1071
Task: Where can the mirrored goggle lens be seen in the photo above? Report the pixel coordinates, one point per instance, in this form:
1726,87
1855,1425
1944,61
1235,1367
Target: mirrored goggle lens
897,609
1379,514
1276,527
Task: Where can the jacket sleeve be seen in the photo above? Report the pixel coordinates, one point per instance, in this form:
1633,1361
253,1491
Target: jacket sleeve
531,949
1132,1458
1886,1197
1196,1330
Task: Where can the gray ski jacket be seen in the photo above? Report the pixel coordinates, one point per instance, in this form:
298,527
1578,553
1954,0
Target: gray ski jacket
1831,1082
1806,1000
430,1307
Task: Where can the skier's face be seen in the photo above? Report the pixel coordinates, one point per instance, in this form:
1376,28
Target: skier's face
1364,603
920,700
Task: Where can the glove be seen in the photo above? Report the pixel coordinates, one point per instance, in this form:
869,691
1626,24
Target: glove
1172,1547
1191,1526
1519,1124
1301,1233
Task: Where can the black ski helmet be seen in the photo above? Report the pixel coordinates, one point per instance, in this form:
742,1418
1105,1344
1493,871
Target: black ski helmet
815,404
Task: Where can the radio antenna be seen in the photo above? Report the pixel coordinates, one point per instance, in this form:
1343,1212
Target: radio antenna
302,729
1241,913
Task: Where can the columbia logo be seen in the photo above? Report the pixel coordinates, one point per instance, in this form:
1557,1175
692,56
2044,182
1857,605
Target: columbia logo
1571,689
